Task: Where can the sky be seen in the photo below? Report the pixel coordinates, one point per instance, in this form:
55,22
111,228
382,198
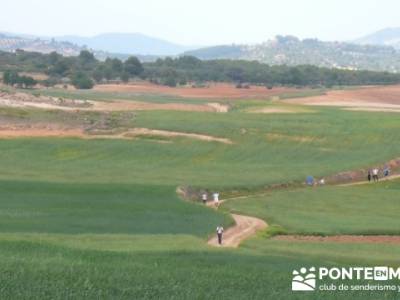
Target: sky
202,22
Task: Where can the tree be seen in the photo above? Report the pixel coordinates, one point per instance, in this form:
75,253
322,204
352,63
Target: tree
81,80
125,77
86,57
98,74
26,82
60,68
10,77
116,65
133,66
170,81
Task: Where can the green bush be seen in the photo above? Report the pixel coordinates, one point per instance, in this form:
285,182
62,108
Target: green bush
82,81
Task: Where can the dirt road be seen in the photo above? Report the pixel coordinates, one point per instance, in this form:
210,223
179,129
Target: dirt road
244,228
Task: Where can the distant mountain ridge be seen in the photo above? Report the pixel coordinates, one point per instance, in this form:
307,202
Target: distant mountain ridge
282,50
11,42
384,37
291,51
130,43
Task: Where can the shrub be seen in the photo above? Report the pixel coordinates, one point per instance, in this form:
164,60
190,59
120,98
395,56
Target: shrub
81,80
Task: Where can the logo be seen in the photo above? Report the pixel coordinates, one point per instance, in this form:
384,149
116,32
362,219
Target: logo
305,280
346,279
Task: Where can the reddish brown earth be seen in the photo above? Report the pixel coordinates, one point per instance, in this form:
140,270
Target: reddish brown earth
376,239
371,98
213,91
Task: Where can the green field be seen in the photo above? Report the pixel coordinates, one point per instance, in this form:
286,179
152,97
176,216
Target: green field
367,209
100,219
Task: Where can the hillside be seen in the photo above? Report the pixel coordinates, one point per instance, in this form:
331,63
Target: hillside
12,42
288,50
131,43
384,37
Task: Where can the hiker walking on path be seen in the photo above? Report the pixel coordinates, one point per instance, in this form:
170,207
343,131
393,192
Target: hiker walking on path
216,199
369,176
375,173
220,232
204,198
386,171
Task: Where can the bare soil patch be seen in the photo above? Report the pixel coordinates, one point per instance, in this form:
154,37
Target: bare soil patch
371,97
375,239
212,91
21,100
301,139
18,132
40,132
164,133
271,110
119,105
374,109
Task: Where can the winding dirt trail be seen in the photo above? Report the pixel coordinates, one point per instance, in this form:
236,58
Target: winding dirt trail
244,228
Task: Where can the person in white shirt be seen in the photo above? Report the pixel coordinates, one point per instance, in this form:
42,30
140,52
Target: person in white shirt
204,198
220,232
375,173
216,199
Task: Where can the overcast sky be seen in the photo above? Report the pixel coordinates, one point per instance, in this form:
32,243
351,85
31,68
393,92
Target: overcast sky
202,22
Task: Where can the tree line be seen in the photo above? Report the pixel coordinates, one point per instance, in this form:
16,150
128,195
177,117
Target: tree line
85,70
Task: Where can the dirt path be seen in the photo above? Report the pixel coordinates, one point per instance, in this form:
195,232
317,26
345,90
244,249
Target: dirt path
21,100
388,178
244,228
130,134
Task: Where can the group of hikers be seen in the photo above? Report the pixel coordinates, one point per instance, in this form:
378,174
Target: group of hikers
374,174
215,196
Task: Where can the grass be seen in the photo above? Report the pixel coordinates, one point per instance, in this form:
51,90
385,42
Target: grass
268,149
330,210
100,219
107,208
38,268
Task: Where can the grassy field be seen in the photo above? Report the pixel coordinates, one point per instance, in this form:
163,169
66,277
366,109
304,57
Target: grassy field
330,210
100,219
48,267
266,148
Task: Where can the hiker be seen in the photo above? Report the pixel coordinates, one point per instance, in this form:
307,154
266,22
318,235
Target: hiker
220,231
216,199
386,171
204,198
369,176
375,173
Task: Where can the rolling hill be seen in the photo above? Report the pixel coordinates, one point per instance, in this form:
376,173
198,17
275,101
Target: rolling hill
10,42
131,43
384,37
289,50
